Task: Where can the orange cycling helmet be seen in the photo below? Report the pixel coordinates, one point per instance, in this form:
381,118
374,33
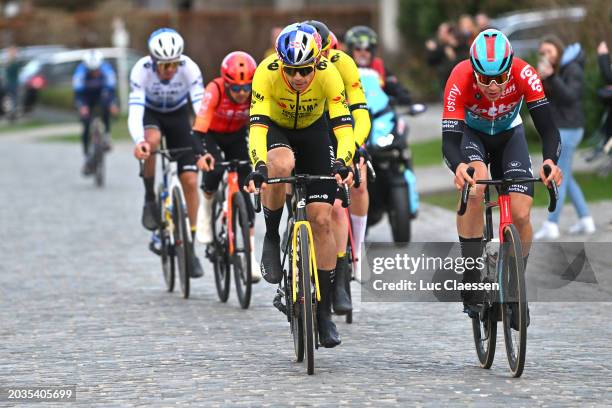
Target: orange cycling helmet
334,41
238,68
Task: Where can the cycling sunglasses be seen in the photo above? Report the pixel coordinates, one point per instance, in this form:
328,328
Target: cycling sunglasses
164,66
237,88
488,80
291,71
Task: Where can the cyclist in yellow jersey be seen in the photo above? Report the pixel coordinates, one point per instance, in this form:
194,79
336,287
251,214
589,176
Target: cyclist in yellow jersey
289,130
359,196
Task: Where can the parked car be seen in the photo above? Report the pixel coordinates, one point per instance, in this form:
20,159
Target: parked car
56,69
24,55
524,29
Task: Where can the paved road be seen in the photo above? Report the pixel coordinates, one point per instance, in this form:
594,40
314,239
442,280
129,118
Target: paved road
82,302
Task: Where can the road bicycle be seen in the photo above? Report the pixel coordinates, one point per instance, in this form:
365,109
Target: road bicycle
298,293
504,266
231,246
172,241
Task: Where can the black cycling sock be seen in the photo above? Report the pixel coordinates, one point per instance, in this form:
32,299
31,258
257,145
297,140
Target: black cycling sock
471,248
273,219
149,183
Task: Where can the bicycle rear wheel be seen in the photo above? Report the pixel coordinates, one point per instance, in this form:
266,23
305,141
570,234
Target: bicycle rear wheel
241,260
305,298
221,262
514,300
167,252
484,328
182,242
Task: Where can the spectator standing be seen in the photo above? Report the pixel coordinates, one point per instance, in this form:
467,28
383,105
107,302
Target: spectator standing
483,22
12,77
562,72
466,33
441,52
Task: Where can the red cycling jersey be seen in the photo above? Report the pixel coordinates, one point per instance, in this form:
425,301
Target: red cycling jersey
464,101
219,113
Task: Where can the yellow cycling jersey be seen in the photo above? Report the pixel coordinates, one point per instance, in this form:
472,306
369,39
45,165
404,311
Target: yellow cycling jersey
274,100
354,93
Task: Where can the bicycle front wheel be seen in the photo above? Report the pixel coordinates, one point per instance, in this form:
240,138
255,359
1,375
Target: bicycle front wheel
182,242
221,261
167,252
96,139
305,296
514,300
241,259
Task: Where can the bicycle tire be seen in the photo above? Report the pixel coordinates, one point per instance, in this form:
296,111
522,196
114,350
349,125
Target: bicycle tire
293,309
100,168
96,135
305,297
513,286
181,241
349,316
167,255
484,326
241,260
399,213
221,261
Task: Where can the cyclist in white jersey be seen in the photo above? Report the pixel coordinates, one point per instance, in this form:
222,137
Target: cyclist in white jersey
165,87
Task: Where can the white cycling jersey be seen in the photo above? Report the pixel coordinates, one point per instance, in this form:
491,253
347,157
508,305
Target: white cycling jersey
147,90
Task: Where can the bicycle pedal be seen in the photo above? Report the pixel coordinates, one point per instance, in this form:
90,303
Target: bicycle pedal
472,310
210,253
154,249
278,303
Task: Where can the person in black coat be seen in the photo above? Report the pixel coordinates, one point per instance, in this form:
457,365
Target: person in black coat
603,58
562,73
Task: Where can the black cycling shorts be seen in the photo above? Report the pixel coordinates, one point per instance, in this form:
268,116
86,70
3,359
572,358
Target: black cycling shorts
506,153
176,127
314,154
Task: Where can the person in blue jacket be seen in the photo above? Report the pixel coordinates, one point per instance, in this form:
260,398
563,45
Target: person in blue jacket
94,83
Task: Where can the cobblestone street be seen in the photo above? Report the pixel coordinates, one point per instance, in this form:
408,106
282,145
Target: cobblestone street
82,302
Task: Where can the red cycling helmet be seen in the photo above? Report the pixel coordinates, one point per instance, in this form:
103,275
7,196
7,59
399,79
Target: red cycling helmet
238,68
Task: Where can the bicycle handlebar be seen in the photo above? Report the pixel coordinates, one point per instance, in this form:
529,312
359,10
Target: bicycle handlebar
465,192
177,152
301,179
553,192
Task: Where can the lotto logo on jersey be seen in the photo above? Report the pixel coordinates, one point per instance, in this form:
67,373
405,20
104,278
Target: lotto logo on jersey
532,78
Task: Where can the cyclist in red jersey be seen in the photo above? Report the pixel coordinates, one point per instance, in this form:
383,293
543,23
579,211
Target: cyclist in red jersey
221,124
481,126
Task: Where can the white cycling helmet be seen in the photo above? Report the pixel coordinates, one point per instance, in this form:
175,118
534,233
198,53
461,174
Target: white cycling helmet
93,59
166,45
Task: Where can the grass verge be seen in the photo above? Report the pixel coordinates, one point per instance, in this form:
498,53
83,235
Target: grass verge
594,187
